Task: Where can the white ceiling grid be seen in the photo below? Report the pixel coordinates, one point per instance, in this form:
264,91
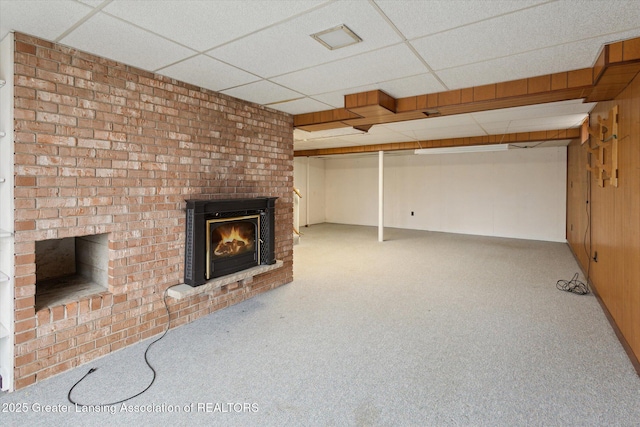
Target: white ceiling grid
261,50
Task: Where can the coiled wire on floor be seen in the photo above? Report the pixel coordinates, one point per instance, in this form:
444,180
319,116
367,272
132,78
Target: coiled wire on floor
574,286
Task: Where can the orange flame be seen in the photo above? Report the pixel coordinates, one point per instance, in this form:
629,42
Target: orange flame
232,242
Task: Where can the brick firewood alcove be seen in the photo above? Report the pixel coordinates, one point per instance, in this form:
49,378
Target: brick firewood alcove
71,268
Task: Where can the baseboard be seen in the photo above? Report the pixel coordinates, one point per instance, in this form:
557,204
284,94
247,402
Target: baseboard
627,348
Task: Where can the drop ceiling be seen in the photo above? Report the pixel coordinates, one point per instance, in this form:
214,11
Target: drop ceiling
262,51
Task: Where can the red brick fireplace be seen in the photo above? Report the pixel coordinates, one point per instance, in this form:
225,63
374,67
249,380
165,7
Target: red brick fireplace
105,157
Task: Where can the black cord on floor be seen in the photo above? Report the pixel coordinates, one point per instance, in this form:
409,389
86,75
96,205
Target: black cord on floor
574,285
92,370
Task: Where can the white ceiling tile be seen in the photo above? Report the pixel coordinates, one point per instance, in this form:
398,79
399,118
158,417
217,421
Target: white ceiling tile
263,92
335,99
448,132
299,134
556,115
528,128
382,129
440,15
432,123
534,124
555,59
568,106
111,38
319,143
348,136
334,143
378,134
208,73
92,3
541,144
551,109
556,122
413,85
376,139
363,139
529,29
289,46
369,68
300,106
497,127
43,18
204,24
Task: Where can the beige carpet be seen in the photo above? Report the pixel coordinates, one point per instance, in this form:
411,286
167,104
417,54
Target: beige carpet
423,329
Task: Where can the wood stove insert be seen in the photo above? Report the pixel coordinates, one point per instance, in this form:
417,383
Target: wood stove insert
227,236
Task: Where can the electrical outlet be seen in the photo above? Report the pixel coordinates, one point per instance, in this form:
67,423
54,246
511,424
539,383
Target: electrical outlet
411,213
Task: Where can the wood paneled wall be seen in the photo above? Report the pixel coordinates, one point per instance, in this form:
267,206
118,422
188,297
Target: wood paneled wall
615,219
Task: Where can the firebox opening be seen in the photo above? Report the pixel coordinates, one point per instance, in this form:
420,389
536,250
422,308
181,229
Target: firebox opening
70,268
232,245
230,239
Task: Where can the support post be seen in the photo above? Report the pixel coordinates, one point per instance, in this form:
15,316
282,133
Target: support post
380,196
306,221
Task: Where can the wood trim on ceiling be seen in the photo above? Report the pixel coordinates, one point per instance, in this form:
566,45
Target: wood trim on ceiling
617,64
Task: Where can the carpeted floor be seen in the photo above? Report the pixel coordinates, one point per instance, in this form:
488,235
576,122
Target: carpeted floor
423,329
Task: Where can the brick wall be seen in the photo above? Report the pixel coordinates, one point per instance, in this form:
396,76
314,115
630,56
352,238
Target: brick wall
101,147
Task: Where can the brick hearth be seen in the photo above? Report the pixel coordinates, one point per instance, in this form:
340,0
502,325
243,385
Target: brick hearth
104,148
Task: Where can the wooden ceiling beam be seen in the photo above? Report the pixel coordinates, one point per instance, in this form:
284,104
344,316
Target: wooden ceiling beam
374,103
617,65
323,120
376,107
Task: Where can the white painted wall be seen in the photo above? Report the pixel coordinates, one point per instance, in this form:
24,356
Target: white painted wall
309,178
7,250
519,193
352,190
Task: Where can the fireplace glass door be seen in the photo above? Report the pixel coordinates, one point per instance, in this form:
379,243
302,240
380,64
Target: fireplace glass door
233,244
